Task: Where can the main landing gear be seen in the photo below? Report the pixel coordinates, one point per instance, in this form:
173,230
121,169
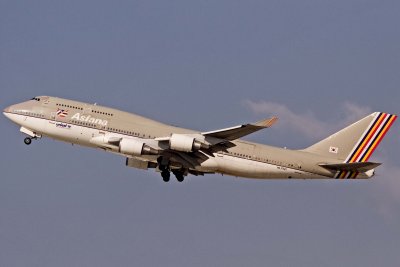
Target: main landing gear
179,176
166,175
163,166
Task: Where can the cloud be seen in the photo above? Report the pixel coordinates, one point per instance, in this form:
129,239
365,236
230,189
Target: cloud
307,123
354,112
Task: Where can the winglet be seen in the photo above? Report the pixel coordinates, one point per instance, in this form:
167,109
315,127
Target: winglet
266,123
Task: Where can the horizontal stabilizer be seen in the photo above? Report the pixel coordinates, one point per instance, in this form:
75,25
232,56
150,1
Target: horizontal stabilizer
352,167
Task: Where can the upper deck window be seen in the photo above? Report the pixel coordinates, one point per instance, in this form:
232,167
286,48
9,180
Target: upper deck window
69,106
103,113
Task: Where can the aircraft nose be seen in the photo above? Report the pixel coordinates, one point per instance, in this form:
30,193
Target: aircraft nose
8,110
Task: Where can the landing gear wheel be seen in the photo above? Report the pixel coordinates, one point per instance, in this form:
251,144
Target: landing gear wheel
179,177
165,175
27,140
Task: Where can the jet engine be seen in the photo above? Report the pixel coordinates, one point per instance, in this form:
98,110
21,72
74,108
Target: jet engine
135,148
184,143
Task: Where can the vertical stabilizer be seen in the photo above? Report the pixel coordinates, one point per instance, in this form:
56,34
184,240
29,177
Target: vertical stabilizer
357,142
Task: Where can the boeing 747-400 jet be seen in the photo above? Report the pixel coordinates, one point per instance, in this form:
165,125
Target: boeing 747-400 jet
146,143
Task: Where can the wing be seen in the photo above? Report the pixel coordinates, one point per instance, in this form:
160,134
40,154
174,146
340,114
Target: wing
212,140
178,151
239,131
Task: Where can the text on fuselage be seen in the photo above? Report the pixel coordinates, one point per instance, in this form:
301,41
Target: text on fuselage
89,119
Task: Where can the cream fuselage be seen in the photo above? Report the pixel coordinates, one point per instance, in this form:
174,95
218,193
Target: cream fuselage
81,123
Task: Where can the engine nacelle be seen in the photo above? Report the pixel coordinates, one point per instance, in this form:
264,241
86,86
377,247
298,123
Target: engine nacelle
135,147
184,143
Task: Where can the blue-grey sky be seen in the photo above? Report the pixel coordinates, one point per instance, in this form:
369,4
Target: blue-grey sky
204,65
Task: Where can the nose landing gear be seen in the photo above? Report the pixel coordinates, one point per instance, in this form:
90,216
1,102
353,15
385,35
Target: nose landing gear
27,140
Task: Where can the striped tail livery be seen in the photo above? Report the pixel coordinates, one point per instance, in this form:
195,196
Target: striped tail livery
354,145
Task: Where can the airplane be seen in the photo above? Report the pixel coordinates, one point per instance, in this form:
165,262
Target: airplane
146,143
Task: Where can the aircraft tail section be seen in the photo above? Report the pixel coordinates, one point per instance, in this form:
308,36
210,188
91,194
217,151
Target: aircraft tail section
355,143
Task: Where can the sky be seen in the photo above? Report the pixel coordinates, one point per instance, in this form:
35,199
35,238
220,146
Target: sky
316,64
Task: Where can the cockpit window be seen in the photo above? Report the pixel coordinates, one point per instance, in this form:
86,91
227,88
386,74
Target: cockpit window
35,98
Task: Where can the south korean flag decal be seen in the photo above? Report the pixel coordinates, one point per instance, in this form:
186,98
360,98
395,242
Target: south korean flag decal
333,149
